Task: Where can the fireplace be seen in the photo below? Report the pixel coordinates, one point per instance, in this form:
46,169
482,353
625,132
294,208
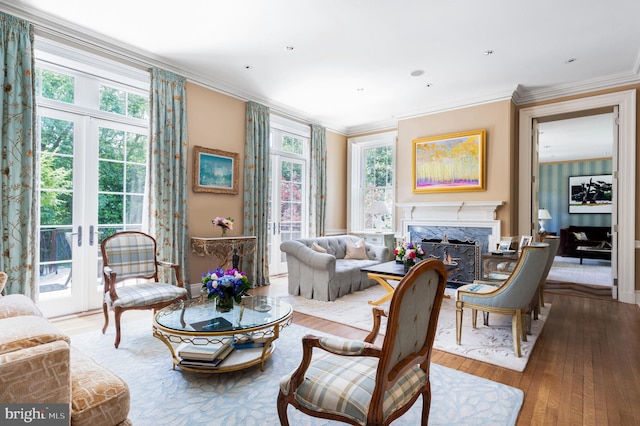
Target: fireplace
464,229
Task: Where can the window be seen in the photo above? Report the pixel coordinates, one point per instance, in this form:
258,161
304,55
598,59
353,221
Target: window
93,135
371,175
289,187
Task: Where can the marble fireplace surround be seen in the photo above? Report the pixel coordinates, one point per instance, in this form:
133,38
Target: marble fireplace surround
473,221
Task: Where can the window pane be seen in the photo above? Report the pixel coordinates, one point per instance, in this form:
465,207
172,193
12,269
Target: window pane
134,209
292,144
56,172
111,176
296,172
137,147
112,100
55,208
135,178
56,136
58,87
111,144
110,208
137,106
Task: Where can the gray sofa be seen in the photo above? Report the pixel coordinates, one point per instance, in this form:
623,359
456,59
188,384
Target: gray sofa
327,276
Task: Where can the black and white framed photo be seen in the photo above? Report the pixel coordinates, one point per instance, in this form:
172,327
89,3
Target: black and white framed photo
590,194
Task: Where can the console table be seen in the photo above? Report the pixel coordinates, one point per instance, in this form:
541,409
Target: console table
222,251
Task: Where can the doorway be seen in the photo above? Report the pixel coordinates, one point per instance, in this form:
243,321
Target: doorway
571,148
623,266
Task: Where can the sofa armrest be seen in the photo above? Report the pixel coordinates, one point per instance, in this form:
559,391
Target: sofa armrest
311,258
376,252
36,375
15,305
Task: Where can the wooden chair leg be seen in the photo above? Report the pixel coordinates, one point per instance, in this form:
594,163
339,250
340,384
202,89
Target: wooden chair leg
282,410
524,325
105,310
117,315
458,324
474,318
516,331
426,405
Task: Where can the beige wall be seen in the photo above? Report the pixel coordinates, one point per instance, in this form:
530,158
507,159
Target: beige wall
215,121
336,220
498,120
218,121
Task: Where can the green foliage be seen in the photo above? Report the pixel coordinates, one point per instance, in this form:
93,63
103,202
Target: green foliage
51,85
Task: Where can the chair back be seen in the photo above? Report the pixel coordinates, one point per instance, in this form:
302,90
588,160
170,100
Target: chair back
130,254
554,244
411,323
518,290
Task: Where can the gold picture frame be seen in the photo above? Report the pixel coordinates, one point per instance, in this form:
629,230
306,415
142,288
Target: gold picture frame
450,163
215,171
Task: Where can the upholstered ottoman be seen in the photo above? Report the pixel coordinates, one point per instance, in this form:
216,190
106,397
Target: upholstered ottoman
98,397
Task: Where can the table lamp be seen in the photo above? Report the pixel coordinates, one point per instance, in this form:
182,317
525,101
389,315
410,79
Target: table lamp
543,216
378,209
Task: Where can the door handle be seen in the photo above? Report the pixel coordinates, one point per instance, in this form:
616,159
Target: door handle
91,235
79,236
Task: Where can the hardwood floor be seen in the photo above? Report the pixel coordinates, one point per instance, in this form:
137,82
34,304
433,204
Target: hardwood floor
584,369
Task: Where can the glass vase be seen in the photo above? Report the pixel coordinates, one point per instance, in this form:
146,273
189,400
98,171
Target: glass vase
224,304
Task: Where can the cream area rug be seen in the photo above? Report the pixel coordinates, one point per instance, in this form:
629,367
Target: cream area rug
163,396
592,271
493,344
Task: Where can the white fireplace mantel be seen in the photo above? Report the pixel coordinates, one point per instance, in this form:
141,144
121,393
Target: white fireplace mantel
451,210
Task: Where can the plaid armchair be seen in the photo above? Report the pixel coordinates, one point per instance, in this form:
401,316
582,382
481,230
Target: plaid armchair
130,256
360,383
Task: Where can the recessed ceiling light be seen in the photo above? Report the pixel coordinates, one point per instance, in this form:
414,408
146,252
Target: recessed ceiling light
360,89
290,47
417,73
487,52
568,61
247,67
428,85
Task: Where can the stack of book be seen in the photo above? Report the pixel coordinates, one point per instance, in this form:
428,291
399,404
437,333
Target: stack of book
246,341
205,357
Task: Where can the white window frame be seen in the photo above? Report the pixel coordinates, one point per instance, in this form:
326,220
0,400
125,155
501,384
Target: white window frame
355,176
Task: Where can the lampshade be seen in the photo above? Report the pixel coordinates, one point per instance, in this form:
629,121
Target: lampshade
544,214
378,208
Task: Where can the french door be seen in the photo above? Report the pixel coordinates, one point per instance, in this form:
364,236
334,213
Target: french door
92,175
288,211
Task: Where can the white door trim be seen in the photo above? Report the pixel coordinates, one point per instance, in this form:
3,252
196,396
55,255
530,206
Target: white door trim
626,101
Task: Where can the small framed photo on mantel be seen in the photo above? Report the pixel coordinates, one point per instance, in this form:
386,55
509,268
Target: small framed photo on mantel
525,240
215,171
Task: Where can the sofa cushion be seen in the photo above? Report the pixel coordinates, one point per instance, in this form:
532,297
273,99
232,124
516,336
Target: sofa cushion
356,250
580,236
36,375
27,331
15,305
316,247
98,397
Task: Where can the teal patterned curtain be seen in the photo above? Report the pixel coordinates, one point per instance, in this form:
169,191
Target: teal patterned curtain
168,169
18,174
257,174
318,184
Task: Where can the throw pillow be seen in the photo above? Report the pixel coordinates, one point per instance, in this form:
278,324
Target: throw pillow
580,236
316,247
356,250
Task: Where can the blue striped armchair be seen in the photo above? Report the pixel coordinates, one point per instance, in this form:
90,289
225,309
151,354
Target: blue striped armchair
131,255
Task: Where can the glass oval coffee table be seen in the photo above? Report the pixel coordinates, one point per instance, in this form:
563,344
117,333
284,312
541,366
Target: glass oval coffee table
194,330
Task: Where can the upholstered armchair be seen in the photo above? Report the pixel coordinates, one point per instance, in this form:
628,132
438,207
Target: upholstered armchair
360,383
131,255
513,297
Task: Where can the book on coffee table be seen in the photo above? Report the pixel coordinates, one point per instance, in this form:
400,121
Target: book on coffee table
202,352
202,359
213,324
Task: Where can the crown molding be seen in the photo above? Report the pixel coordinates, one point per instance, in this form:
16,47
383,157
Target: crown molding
525,96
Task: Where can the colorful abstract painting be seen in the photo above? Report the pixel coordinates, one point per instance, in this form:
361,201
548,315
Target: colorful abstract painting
449,163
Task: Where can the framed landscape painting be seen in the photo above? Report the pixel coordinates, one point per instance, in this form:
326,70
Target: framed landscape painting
215,171
449,163
590,194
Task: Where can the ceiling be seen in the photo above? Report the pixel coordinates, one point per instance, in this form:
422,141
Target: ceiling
361,65
575,139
